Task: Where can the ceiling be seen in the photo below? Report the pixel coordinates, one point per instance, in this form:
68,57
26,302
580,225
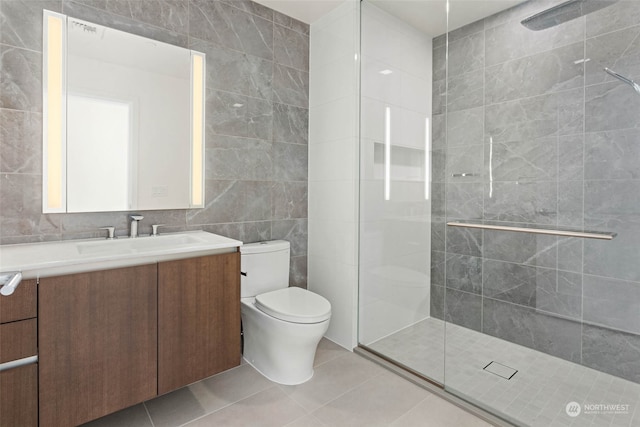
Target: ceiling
428,16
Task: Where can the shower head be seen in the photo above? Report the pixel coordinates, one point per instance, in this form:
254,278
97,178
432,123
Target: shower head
564,12
624,79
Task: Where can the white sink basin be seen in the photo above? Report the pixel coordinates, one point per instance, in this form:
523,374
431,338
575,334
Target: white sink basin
76,256
140,244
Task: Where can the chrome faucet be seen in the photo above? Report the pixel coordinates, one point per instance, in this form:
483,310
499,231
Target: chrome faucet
134,225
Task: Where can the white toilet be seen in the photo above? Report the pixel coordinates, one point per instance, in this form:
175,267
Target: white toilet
282,326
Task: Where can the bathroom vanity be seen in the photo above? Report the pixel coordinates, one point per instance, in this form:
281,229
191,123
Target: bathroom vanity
118,322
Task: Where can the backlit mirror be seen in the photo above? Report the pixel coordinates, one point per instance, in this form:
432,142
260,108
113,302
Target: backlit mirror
123,120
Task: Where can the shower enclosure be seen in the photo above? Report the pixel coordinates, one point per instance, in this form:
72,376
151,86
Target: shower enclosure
500,203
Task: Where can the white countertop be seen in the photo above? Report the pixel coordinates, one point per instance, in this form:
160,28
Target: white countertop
74,256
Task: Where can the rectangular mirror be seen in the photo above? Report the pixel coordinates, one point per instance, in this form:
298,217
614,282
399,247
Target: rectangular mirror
123,120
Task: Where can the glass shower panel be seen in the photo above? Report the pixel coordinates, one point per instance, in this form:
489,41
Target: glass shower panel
395,193
542,330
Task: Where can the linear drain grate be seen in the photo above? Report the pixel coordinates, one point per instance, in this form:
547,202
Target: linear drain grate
500,370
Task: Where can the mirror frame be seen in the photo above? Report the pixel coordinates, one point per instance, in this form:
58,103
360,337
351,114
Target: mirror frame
54,123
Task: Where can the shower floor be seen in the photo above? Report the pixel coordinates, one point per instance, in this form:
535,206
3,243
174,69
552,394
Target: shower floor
537,395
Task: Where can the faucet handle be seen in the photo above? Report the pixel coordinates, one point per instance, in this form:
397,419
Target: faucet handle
136,217
112,231
154,229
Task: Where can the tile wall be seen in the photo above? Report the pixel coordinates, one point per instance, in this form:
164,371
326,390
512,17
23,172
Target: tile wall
548,139
256,154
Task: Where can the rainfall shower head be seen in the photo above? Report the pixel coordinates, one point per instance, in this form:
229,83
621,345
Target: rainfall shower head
564,12
624,79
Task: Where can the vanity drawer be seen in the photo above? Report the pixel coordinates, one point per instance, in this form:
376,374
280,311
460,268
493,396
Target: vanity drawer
18,340
21,304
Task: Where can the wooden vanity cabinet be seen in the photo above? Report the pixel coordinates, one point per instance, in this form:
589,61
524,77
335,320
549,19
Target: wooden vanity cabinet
18,340
97,342
198,319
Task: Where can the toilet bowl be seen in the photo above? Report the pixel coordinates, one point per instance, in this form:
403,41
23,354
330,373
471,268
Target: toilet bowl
282,325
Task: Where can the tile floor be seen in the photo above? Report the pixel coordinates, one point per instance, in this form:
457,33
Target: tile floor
346,390
537,395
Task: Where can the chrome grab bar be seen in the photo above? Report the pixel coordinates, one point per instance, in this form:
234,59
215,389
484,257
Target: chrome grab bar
9,282
564,233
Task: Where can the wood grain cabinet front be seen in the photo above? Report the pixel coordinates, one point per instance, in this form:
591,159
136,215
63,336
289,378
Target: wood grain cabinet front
97,343
198,319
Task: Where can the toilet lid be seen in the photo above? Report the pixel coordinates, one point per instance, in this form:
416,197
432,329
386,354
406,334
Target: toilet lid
294,305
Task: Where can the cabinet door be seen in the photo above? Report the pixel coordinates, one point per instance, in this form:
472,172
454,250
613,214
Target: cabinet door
97,343
19,391
198,319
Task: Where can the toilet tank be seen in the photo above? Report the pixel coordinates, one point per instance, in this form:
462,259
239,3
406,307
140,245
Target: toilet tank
264,267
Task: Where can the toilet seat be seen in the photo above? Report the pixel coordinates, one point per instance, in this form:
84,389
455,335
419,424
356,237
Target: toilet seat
294,305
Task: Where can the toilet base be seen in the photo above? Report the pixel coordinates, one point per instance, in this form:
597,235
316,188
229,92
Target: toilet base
281,351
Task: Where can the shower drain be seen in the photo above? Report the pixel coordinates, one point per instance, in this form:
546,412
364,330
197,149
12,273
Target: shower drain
500,370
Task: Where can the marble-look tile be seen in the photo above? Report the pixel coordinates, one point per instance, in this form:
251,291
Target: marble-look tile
252,7
440,40
464,91
438,199
616,353
529,202
466,54
439,131
535,75
20,79
464,273
612,154
438,229
438,166
289,200
511,40
467,30
532,249
464,127
439,60
562,296
236,72
536,117
464,241
290,124
77,225
290,86
570,254
612,303
571,204
259,118
524,326
515,283
171,220
620,14
464,200
619,50
170,14
611,106
135,416
230,158
20,142
465,164
571,154
225,201
226,114
290,48
289,22
463,309
298,272
439,96
22,22
437,268
436,302
125,22
246,232
293,231
21,207
230,27
258,204
528,160
617,259
290,162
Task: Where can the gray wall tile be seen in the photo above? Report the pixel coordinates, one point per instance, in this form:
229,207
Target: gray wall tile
464,273
617,353
612,303
290,162
290,200
20,142
20,79
290,124
22,22
290,86
290,48
464,309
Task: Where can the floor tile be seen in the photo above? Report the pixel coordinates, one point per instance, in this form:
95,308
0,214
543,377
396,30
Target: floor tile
332,379
206,396
135,416
327,350
377,402
436,412
267,408
306,421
